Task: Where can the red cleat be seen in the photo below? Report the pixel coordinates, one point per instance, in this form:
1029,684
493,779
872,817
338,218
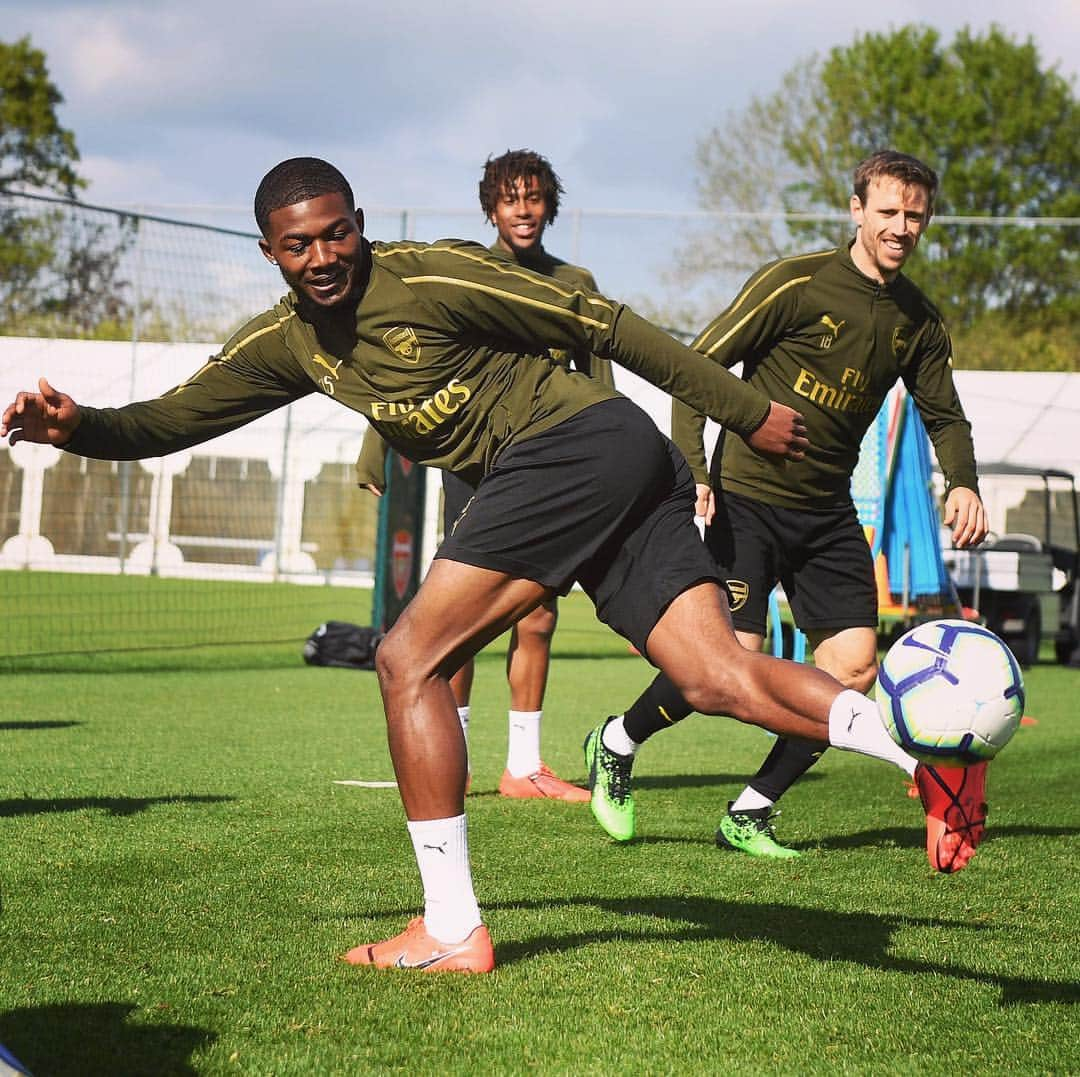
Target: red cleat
542,784
954,799
414,948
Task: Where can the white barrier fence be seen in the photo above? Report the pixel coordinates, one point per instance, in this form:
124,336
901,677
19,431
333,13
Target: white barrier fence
1025,418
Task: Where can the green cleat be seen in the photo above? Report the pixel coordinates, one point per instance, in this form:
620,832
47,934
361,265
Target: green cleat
751,832
609,780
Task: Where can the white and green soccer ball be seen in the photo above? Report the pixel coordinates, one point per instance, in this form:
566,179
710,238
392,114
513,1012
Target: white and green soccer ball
950,692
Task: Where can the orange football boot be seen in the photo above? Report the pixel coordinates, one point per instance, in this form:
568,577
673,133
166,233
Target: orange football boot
954,799
542,784
414,948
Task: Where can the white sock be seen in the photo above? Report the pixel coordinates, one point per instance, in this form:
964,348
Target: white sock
855,726
442,854
616,739
463,718
750,800
523,745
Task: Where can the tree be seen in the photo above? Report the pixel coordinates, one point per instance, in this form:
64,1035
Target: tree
60,267
35,151
1002,131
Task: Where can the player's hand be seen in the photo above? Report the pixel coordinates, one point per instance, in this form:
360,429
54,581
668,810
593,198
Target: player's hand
705,505
372,489
965,514
47,417
783,433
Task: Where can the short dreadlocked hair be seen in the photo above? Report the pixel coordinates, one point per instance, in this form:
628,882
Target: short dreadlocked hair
500,174
909,170
298,179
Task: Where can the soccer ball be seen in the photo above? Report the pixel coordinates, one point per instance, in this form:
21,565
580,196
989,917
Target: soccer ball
950,692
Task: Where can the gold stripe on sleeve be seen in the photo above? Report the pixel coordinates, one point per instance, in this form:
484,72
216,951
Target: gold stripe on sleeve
756,282
515,296
509,269
231,353
750,313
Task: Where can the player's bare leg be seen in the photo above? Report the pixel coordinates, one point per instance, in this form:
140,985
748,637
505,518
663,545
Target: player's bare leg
528,659
461,685
696,646
458,609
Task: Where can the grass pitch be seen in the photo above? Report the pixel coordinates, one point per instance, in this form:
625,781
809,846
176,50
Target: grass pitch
180,874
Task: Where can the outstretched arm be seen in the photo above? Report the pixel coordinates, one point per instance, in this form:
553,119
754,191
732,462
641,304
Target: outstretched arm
47,417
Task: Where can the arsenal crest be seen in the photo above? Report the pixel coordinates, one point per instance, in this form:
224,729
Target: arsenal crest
401,561
740,592
402,341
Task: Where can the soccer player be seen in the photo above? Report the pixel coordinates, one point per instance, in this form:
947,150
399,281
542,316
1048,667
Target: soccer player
443,348
829,333
519,195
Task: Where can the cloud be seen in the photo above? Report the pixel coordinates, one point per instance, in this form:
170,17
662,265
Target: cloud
193,102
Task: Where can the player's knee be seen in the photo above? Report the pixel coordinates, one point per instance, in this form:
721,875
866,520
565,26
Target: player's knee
392,661
714,690
538,625
860,676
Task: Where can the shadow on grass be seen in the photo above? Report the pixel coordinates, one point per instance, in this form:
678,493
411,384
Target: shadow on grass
113,805
898,837
37,725
95,1039
905,837
661,781
859,938
700,781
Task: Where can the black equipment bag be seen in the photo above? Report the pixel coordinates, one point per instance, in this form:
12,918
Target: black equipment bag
339,643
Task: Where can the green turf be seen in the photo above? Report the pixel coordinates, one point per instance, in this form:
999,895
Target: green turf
180,876
104,616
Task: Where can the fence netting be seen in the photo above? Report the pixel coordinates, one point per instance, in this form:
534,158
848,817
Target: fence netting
224,542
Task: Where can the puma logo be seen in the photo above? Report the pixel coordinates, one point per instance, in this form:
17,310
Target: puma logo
441,848
317,358
833,327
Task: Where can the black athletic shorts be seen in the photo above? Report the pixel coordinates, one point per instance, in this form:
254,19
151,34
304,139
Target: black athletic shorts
821,556
604,499
456,493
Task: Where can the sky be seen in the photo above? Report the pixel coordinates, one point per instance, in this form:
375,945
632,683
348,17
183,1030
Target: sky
190,104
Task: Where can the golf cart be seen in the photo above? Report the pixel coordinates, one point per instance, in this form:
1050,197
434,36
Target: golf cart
1023,581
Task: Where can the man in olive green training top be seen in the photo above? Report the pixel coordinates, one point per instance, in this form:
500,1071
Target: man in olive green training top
519,195
442,347
829,333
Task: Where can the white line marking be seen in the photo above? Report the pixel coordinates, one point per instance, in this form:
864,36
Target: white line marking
366,785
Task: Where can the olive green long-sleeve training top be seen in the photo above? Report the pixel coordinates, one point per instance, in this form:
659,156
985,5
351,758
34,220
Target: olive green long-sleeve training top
371,461
444,354
815,333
